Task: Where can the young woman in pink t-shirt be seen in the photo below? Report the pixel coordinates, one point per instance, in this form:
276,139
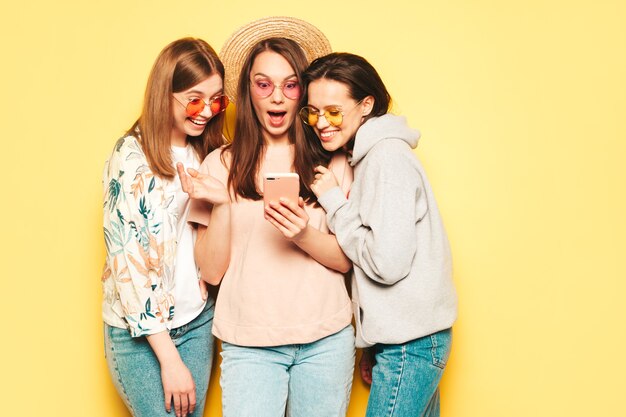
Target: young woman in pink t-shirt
283,313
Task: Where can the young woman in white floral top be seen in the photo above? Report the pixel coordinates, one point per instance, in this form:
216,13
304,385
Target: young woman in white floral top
157,316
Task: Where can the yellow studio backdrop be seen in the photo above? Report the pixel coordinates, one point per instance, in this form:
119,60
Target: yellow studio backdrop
522,109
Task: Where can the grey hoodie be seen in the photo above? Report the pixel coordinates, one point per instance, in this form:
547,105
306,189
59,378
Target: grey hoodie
390,228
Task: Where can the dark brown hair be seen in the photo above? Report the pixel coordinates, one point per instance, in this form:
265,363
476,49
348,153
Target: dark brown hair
180,65
357,74
248,146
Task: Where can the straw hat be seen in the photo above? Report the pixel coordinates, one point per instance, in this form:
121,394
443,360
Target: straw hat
236,48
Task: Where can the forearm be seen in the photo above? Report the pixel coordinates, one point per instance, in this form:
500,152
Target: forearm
384,249
212,250
323,247
163,348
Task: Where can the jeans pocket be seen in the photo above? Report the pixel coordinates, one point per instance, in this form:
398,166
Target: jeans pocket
441,343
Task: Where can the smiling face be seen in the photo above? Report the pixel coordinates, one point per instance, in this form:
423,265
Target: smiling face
277,111
325,94
185,125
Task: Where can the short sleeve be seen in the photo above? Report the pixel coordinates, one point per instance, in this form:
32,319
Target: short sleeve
200,211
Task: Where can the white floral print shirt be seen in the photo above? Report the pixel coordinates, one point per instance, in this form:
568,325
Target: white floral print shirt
140,218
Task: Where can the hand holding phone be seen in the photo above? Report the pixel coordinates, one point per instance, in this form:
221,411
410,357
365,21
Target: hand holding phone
289,217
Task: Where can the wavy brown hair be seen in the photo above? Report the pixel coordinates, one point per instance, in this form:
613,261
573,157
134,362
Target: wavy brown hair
248,146
180,65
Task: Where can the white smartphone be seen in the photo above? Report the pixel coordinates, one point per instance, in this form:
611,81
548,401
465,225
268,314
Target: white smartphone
280,184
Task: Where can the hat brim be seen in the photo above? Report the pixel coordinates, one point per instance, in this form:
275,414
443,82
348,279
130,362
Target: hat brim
237,47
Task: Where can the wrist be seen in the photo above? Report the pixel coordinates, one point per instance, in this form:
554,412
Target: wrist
169,359
164,348
222,206
302,236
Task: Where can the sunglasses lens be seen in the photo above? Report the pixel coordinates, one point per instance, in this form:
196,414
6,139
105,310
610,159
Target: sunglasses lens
308,116
333,116
262,88
291,90
219,104
194,107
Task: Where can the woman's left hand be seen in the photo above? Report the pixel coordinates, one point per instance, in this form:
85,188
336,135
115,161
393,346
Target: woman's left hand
288,217
324,180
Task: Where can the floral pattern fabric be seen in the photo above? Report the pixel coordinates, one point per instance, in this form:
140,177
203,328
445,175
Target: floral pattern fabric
140,218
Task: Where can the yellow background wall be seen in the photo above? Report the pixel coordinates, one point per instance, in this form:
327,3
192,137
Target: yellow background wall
522,108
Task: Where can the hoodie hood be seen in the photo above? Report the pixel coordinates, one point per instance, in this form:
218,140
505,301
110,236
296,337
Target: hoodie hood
376,129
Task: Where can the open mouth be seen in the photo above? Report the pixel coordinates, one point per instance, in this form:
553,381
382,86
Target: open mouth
276,117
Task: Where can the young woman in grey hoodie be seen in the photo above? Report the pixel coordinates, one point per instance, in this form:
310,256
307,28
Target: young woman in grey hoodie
389,226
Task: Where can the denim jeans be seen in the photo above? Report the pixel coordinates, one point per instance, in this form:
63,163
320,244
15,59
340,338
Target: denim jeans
305,380
136,372
406,377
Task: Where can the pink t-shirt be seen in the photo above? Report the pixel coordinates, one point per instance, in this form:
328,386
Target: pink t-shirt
273,293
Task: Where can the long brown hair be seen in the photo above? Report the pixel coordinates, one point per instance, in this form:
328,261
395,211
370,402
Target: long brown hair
248,146
180,65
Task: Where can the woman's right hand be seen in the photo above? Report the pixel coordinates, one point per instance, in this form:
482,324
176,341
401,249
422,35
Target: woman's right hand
178,386
202,186
177,381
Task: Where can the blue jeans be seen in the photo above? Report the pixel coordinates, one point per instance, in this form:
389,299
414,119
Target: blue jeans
136,372
406,377
305,380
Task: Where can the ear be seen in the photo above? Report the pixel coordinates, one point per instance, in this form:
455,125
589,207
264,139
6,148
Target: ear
368,105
